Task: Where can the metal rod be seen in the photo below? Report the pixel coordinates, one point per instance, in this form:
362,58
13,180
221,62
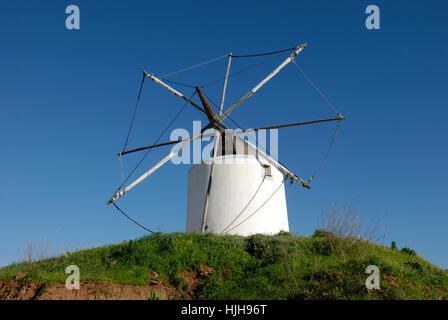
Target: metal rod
159,145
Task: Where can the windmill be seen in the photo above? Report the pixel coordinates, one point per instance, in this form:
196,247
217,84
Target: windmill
229,196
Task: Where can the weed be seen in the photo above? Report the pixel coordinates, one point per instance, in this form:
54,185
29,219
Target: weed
157,295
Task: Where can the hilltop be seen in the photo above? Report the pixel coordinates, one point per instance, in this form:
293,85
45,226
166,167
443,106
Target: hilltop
196,266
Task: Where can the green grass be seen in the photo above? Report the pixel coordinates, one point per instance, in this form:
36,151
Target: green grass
283,266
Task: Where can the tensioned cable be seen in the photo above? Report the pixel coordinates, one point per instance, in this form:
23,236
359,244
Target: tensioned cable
135,110
156,141
316,88
262,205
238,72
262,54
193,67
140,225
328,152
140,162
247,205
332,108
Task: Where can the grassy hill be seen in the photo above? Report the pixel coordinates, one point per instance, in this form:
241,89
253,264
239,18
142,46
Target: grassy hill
196,266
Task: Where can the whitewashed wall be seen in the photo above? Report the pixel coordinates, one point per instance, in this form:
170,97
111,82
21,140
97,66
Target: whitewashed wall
233,187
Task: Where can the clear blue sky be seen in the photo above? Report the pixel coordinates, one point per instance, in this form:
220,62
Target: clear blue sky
67,97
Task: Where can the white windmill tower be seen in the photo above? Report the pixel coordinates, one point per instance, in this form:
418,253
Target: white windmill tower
240,189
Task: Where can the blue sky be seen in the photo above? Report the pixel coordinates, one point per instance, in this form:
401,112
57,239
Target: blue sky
67,97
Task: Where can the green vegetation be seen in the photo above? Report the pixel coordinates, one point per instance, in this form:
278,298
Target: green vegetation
394,245
284,266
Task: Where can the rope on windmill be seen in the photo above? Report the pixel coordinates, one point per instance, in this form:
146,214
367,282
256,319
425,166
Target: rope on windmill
261,206
246,206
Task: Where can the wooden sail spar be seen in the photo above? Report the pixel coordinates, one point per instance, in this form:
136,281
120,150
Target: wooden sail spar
172,90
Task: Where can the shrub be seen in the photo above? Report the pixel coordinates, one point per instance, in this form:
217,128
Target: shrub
408,251
322,246
326,243
269,249
319,233
284,234
393,246
415,265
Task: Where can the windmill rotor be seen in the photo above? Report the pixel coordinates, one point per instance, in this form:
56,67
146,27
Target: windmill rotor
220,131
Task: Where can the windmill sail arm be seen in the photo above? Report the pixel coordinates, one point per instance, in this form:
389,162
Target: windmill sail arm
263,82
172,90
161,145
285,171
120,193
340,118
